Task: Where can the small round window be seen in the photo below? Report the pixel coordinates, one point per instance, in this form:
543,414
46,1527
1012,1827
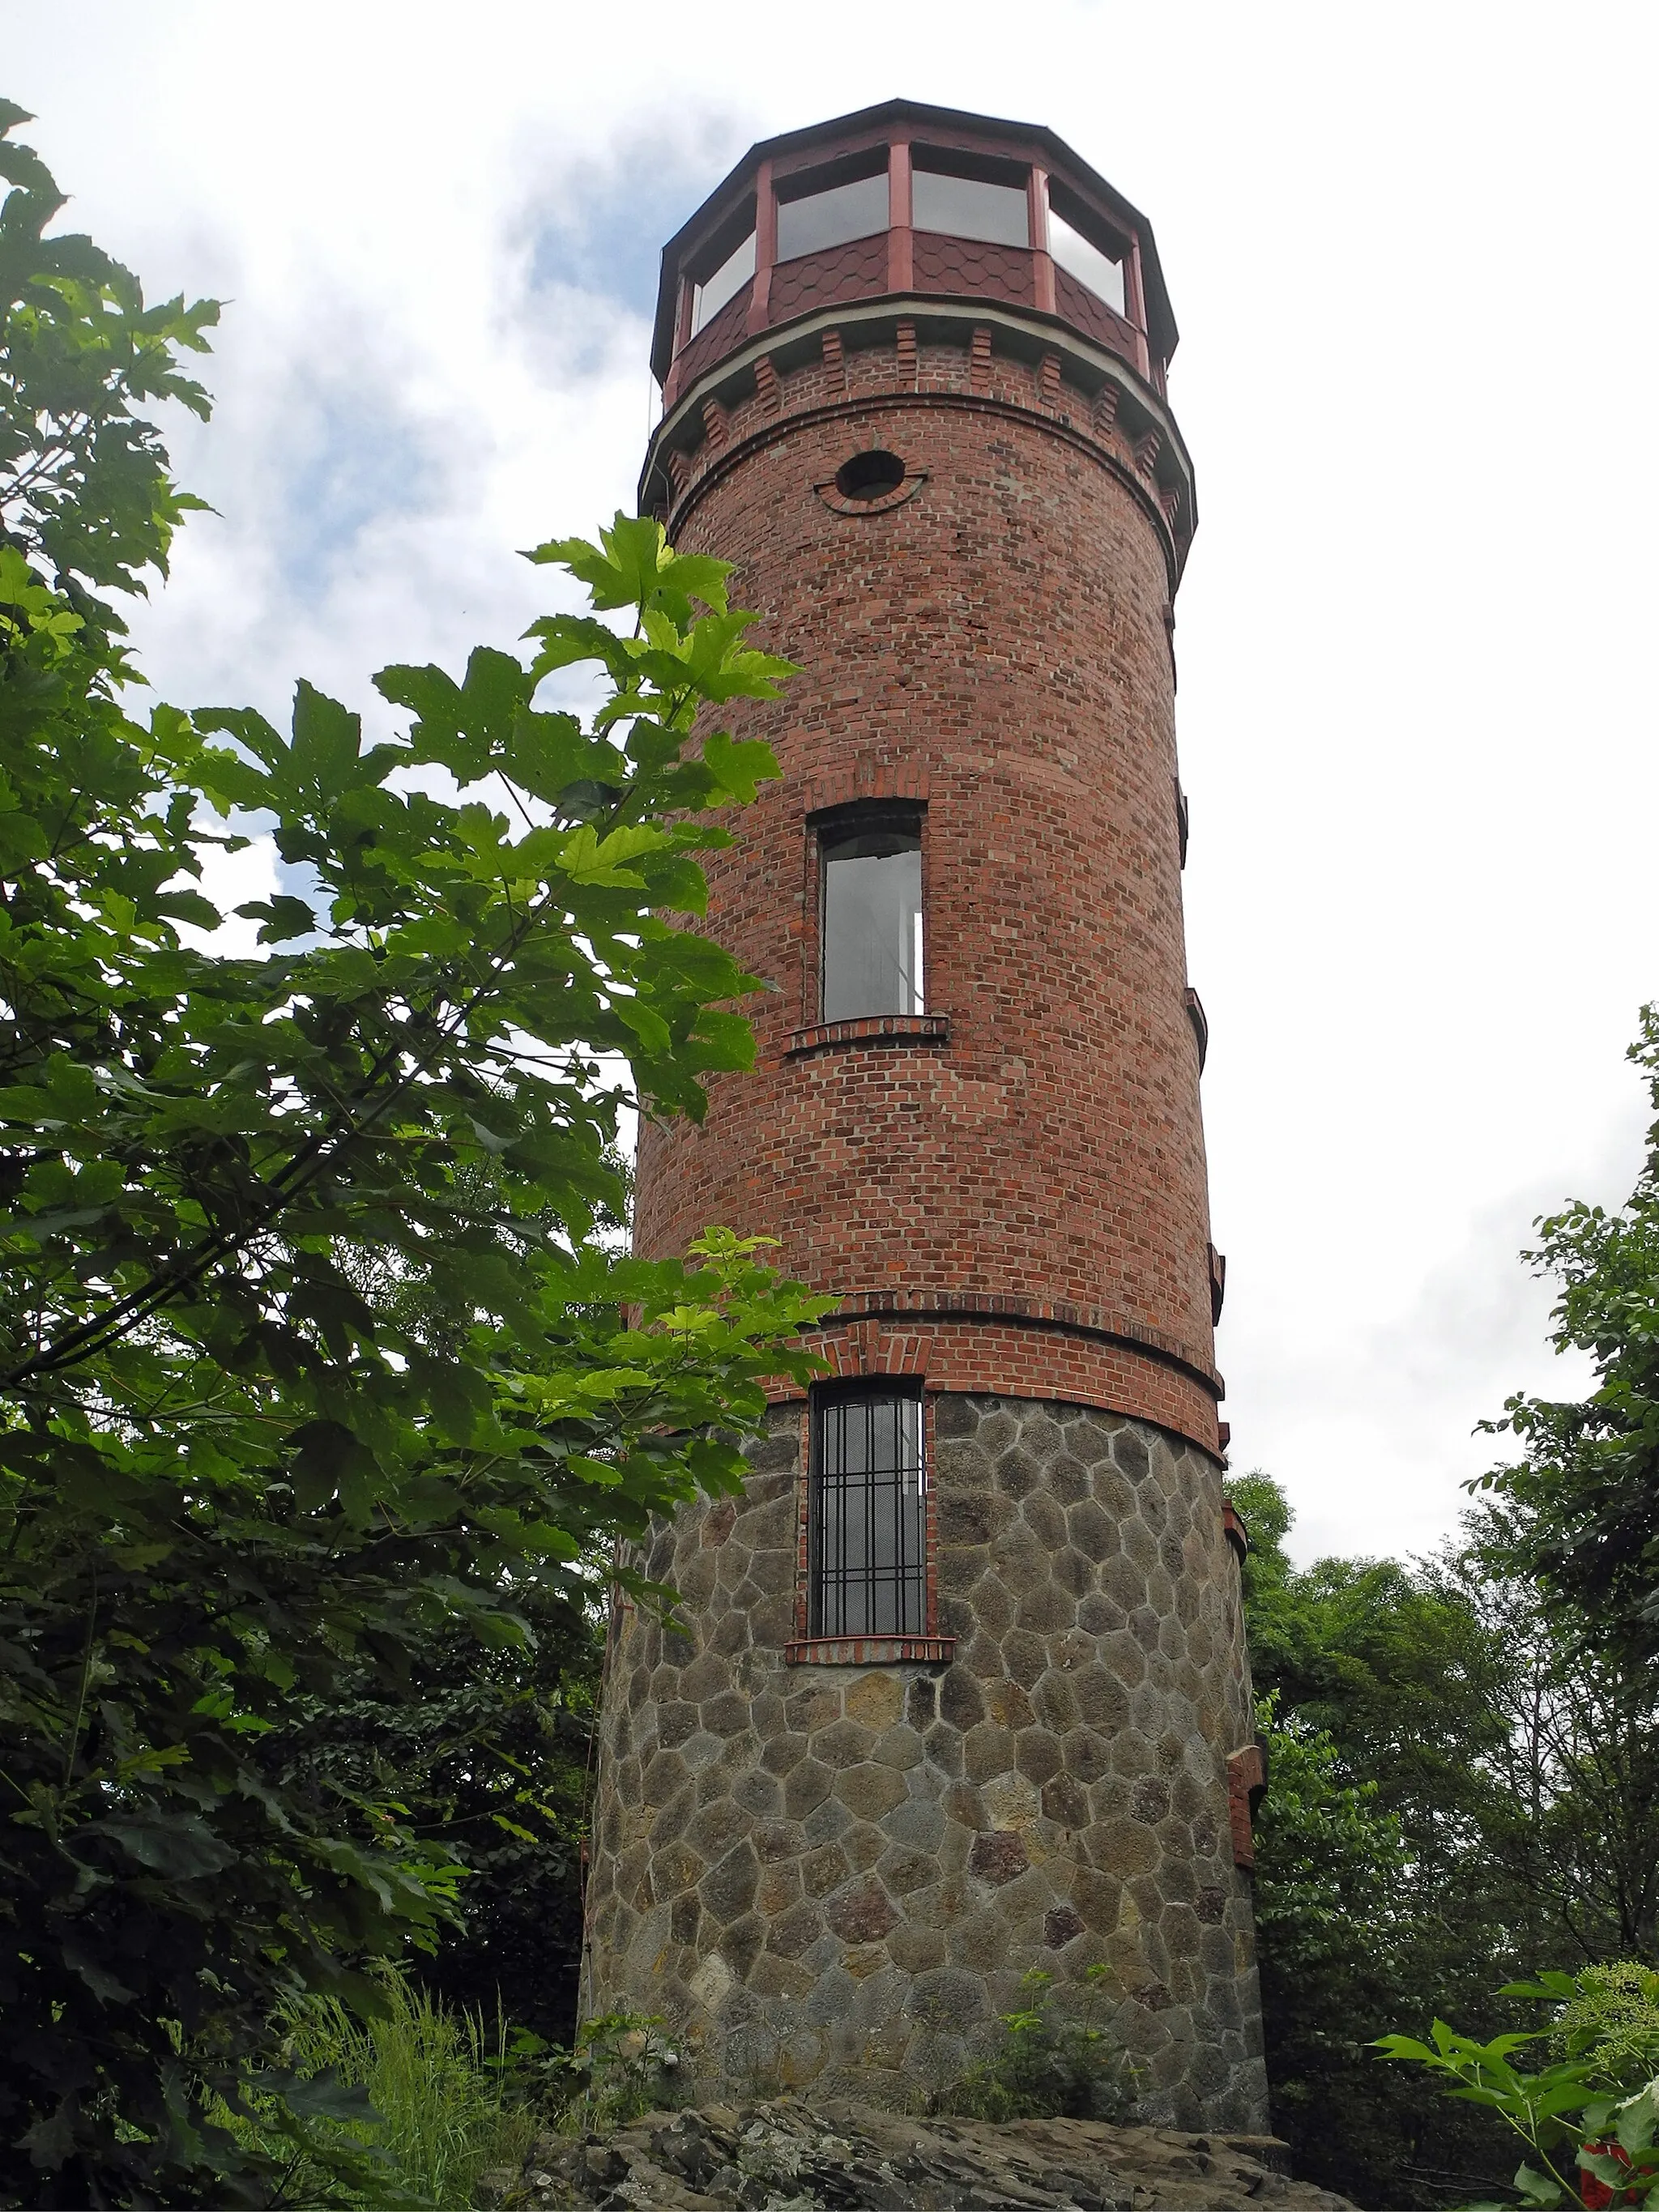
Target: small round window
870,476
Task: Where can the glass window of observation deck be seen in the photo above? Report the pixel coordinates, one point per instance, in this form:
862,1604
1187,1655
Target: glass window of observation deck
728,281
820,220
967,207
1101,272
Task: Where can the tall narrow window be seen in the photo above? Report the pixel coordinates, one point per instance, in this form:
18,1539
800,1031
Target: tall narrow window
872,926
866,1551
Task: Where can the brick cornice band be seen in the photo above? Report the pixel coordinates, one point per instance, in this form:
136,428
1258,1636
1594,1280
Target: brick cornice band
1018,1311
1009,1354
730,454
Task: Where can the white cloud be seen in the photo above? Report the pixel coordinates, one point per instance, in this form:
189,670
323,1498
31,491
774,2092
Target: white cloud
1410,251
228,880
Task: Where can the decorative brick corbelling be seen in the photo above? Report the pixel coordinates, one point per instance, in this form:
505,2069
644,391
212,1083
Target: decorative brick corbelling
979,360
1110,393
766,380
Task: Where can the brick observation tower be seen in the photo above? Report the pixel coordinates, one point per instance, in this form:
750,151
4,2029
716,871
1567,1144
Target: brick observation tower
966,1690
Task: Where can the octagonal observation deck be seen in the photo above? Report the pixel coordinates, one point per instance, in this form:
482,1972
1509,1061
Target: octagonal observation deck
948,222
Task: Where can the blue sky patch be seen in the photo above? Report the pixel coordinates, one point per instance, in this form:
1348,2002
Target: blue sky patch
352,464
609,238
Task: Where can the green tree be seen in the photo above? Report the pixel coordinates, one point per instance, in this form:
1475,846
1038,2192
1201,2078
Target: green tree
1393,1664
1572,1826
232,1471
1460,1793
1588,1474
1330,1882
1377,1899
490,1753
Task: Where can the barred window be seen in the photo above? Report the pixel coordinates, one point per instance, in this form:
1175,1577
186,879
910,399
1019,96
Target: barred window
867,1562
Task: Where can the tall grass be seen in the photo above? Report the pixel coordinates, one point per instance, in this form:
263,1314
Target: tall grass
443,2113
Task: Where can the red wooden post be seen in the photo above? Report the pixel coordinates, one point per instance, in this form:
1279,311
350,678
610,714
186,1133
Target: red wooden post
1037,194
900,236
766,247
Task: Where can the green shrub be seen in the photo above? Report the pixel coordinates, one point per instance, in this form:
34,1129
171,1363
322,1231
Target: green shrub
1589,2122
619,2069
437,2103
1046,2067
1612,2017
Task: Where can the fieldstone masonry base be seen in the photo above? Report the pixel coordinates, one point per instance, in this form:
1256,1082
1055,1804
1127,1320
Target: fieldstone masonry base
838,1876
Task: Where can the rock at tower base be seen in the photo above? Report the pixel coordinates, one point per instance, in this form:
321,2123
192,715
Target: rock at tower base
840,2156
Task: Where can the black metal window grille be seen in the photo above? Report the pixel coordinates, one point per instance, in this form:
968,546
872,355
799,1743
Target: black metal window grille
867,1541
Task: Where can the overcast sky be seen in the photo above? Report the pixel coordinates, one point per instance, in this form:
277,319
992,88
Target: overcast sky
1411,250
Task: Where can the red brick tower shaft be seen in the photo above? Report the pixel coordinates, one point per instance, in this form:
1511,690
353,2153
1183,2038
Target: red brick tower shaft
1009,1185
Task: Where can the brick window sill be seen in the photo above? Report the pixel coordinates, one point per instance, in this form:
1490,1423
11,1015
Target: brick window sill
870,1650
870,1028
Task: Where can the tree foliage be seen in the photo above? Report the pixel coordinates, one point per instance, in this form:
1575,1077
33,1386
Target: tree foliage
1573,1819
84,483
1588,1480
490,1753
237,1472
1375,1900
1458,1793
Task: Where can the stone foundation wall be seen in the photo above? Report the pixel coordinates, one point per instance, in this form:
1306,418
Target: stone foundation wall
838,1876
